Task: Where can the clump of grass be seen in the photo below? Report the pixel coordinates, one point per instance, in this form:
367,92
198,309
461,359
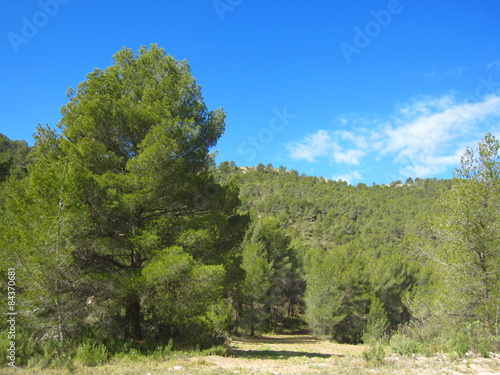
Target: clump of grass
162,352
221,350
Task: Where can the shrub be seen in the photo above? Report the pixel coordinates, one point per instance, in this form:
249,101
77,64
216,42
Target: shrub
481,340
46,352
375,355
220,350
405,345
92,353
162,351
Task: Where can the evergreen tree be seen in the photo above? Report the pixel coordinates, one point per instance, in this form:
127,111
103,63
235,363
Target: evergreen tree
38,225
469,258
131,172
255,287
337,294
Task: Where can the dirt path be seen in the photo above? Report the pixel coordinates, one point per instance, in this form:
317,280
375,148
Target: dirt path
303,354
286,354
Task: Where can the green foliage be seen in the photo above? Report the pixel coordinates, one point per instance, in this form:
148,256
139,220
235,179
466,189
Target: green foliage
255,287
119,229
220,350
318,213
37,230
38,352
192,298
430,338
405,345
337,293
149,192
161,352
13,158
468,259
273,285
377,322
472,337
375,355
91,353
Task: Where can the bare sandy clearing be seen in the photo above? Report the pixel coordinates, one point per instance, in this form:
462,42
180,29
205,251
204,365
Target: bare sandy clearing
303,354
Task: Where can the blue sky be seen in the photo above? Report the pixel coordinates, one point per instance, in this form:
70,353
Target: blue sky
365,91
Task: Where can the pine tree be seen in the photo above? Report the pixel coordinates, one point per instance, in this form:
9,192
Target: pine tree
130,181
337,294
469,259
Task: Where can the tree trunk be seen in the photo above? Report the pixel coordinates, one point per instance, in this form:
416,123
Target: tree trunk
133,320
133,304
252,328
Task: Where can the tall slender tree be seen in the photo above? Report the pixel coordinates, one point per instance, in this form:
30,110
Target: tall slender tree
469,259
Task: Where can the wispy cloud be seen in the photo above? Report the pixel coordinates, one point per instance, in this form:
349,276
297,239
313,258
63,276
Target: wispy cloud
494,64
455,72
348,177
421,138
324,143
311,147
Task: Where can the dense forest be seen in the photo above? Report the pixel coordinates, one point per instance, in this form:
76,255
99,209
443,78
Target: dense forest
124,233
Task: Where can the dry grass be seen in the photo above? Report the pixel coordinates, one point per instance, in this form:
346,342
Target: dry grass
283,354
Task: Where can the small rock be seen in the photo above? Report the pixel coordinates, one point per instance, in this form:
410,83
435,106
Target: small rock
177,368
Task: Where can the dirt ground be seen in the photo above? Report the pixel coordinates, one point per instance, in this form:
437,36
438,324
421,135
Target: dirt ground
303,354
283,354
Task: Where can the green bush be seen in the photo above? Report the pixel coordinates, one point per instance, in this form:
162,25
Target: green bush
459,344
481,340
163,351
472,337
47,352
413,339
92,353
26,347
375,355
404,345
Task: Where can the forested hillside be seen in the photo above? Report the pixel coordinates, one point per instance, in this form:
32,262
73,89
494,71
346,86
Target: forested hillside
357,240
120,233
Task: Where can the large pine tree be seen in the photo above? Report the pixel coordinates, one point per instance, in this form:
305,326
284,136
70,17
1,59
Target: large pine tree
152,227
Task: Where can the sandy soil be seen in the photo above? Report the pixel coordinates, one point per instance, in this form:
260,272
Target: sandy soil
303,354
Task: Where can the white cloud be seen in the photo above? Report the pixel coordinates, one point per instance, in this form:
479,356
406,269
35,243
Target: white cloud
348,177
312,147
431,165
423,137
352,157
323,143
426,139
